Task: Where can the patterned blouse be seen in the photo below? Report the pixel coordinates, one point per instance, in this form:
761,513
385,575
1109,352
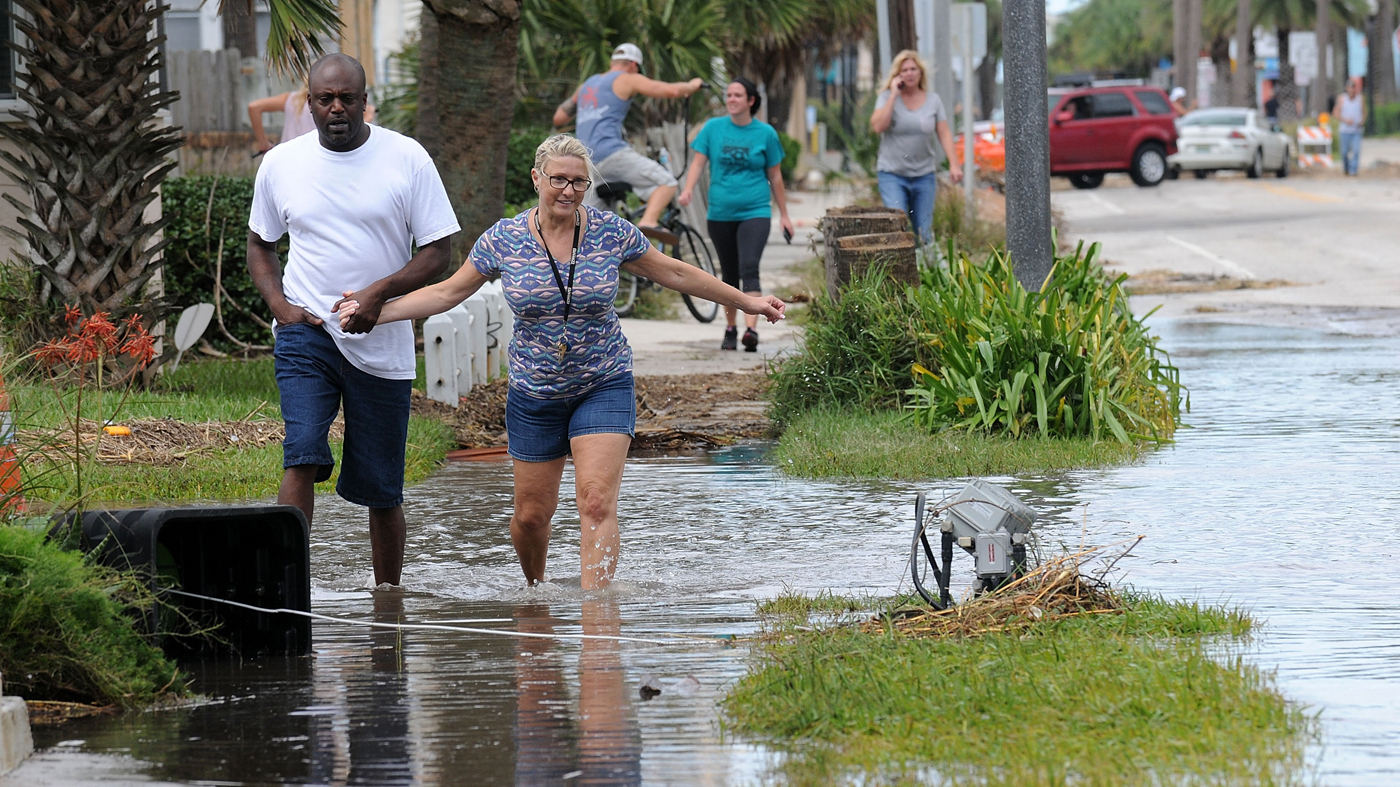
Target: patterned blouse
597,350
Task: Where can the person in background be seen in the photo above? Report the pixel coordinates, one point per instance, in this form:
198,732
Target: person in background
296,117
601,104
571,390
1178,99
907,117
1350,112
745,159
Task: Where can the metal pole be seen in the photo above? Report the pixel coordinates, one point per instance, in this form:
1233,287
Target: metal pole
943,53
969,172
882,21
1027,141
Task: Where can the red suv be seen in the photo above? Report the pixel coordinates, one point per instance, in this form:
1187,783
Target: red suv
1111,129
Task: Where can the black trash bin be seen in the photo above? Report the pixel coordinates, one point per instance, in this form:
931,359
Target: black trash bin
254,555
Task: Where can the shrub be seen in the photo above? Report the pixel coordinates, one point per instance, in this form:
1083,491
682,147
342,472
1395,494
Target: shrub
520,158
1387,119
1070,361
209,214
792,151
986,355
67,627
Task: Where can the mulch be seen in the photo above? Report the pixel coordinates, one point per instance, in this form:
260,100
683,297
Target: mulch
162,441
674,413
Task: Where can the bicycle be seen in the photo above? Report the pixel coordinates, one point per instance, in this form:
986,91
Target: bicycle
676,238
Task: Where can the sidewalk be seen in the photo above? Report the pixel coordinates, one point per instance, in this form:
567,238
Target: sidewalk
685,346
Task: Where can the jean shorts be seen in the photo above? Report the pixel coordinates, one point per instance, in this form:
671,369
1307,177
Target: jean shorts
315,381
539,430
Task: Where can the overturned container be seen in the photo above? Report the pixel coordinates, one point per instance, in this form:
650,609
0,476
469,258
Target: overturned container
198,558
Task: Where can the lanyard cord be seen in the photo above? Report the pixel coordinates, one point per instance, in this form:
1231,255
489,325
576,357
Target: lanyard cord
566,295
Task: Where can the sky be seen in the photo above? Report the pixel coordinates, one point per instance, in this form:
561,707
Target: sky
1061,6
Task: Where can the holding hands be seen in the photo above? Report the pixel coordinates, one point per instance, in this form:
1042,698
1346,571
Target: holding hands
359,311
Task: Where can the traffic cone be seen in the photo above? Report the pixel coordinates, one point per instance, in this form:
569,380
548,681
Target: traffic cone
11,497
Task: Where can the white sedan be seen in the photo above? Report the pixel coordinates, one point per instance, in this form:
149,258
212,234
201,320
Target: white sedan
1229,138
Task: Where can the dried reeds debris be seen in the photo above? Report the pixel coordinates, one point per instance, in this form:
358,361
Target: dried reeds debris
1056,590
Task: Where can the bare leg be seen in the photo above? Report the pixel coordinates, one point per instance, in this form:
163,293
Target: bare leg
751,320
536,497
657,203
598,465
299,489
386,537
729,314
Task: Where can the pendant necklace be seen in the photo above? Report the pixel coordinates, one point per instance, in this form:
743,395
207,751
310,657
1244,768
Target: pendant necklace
566,294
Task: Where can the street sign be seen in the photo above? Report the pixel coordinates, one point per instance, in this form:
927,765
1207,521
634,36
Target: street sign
958,29
1302,55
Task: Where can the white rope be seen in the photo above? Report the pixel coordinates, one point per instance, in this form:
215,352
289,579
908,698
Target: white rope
436,626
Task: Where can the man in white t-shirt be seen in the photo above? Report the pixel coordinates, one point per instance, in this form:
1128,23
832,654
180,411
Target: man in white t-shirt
355,200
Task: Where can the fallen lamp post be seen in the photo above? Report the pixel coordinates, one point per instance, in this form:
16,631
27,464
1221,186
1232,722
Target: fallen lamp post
984,520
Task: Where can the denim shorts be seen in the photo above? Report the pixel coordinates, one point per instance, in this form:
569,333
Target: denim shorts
315,381
539,430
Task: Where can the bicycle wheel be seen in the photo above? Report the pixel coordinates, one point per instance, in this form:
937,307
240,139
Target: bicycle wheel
692,249
627,286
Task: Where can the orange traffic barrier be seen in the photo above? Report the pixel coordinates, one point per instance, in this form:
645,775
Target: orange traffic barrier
10,481
988,152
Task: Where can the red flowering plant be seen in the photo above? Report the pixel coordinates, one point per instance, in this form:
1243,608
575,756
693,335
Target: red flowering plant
98,352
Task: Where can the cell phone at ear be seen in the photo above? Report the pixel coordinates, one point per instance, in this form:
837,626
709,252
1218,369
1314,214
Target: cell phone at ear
787,235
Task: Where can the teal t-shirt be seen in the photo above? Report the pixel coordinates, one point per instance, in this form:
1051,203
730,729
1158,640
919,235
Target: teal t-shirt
739,160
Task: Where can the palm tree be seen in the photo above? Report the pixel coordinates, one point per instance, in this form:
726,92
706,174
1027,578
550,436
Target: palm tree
466,92
91,155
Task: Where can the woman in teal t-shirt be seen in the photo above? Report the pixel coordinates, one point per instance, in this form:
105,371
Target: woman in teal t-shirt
744,156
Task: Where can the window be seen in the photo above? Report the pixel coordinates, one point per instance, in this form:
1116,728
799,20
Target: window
1214,119
1153,102
1112,105
182,32
7,56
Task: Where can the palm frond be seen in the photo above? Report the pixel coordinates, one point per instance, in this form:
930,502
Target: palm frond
298,32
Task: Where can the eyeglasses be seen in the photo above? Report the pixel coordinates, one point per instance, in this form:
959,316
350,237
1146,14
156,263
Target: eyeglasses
559,182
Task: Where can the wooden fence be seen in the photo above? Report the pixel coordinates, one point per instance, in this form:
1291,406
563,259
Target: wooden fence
215,88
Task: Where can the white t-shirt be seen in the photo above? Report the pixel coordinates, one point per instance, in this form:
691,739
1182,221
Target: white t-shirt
353,219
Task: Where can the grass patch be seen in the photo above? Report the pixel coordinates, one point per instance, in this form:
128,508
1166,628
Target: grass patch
832,443
1153,694
656,303
216,390
67,628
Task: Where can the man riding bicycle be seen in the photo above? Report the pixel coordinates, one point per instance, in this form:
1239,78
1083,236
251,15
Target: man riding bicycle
601,104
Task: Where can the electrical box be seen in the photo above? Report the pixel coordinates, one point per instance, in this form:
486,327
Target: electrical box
984,507
993,554
255,555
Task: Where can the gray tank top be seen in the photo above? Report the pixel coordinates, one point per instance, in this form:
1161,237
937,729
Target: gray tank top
1351,119
600,115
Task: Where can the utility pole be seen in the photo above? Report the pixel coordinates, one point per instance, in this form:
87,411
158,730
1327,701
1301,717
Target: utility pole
1027,141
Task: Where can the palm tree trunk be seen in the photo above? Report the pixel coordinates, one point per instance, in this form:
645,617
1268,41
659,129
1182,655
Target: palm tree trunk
1320,92
1383,47
466,102
1242,79
1284,90
903,34
240,27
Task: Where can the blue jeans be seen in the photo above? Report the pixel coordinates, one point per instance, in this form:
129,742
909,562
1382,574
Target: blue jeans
539,430
315,381
913,196
1351,151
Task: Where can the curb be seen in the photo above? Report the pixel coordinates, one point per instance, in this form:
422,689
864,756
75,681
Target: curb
16,742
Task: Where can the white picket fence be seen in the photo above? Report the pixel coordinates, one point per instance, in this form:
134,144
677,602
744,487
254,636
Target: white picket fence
466,345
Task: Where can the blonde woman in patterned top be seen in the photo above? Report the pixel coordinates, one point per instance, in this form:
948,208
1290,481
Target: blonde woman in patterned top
571,390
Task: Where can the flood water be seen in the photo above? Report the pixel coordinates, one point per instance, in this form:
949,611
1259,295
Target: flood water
1282,498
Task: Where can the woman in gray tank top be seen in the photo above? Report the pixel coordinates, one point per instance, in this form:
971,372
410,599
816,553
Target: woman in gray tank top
907,116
